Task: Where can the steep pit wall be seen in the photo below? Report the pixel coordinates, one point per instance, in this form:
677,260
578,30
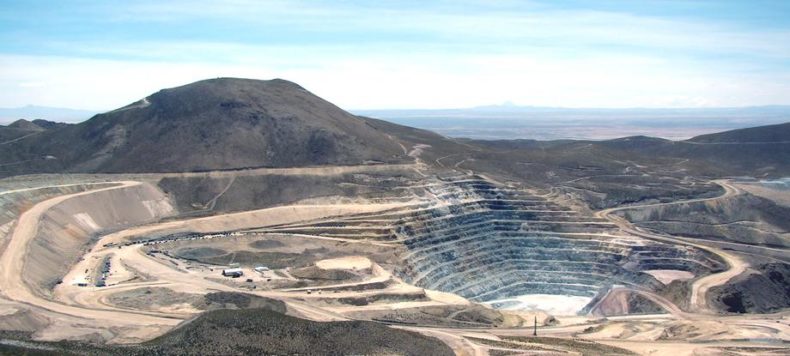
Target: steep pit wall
67,230
15,202
744,218
487,243
212,194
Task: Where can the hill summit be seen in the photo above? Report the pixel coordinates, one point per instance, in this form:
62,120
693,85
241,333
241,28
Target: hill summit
224,123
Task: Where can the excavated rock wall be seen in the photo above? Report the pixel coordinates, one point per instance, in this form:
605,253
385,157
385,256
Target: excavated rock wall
744,218
487,243
67,229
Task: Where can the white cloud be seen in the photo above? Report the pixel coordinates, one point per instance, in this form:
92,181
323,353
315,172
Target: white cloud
456,24
415,58
31,84
408,81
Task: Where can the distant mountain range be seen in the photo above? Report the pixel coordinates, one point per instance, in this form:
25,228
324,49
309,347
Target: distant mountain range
549,123
230,123
33,112
773,112
508,121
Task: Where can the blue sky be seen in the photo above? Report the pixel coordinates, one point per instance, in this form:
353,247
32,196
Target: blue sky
403,54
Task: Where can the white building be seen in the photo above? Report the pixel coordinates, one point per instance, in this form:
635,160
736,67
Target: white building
232,272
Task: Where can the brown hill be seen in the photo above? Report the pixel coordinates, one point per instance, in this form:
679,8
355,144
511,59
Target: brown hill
230,123
761,134
215,124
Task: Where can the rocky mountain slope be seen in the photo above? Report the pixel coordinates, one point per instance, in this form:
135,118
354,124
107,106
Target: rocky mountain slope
20,128
761,134
229,123
214,124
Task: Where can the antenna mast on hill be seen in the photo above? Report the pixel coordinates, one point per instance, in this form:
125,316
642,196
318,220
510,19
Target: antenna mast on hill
535,327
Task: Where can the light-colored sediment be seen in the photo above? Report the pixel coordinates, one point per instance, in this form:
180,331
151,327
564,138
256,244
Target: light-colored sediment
666,276
87,312
549,303
350,262
13,275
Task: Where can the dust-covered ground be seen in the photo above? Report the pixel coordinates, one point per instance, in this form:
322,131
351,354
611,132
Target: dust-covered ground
129,273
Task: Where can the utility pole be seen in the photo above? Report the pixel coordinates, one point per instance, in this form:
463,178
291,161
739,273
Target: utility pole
535,328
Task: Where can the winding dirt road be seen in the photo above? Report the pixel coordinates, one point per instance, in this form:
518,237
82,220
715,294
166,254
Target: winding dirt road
90,303
12,261
700,287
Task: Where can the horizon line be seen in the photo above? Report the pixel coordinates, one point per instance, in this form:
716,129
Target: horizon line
492,106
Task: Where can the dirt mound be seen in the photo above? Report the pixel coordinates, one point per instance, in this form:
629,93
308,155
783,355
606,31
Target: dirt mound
765,290
257,332
416,296
230,300
198,253
261,331
265,244
625,302
314,272
22,319
152,298
270,259
566,346
473,315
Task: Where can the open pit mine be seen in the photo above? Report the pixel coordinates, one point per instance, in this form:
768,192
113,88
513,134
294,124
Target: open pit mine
265,220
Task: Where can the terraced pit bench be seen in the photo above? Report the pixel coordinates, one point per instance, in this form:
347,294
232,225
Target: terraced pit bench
487,243
490,243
